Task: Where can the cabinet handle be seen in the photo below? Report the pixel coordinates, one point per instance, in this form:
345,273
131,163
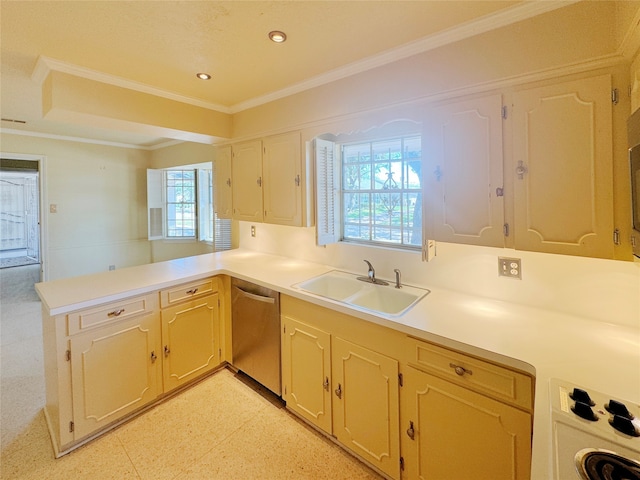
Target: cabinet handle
339,391
326,384
166,350
192,291
297,180
228,182
521,169
116,313
259,181
411,431
153,356
438,173
460,370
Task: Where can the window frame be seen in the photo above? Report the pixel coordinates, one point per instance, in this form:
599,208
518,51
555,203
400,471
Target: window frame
329,183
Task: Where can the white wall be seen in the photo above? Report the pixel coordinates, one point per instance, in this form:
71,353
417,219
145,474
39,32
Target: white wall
605,290
100,196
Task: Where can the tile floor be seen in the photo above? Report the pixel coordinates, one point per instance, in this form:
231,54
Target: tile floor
223,427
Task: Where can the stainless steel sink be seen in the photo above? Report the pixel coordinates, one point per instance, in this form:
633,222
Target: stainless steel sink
347,288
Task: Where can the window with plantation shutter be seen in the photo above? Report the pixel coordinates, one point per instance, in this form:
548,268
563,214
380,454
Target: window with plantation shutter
327,192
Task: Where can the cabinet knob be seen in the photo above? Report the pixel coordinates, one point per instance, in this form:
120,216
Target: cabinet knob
153,356
166,350
297,180
460,370
228,182
259,181
326,383
411,431
339,391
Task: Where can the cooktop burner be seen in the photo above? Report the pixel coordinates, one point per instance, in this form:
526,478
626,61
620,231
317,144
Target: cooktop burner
603,465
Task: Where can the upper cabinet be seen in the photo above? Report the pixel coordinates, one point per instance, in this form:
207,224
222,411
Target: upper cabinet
557,192
263,181
462,145
563,168
246,168
222,191
282,189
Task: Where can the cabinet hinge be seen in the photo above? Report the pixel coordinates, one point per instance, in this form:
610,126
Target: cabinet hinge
616,237
72,427
614,96
284,329
218,303
402,464
504,112
400,380
633,241
285,389
67,355
505,229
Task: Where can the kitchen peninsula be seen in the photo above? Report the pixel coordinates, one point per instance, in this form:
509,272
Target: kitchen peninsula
536,343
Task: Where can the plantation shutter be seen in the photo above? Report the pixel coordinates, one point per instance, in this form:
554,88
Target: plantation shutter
222,237
327,191
155,204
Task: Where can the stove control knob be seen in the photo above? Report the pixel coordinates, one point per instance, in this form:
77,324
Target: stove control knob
580,395
584,411
617,408
624,425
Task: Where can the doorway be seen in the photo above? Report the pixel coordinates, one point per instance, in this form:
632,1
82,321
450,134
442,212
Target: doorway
19,213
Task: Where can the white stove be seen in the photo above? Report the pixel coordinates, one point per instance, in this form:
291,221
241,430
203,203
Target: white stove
595,436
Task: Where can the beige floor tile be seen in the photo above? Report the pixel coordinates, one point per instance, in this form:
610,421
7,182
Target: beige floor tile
277,446
102,459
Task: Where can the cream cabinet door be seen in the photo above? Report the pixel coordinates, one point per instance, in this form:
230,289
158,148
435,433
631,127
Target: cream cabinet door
223,184
281,167
562,168
462,147
115,370
449,433
190,340
246,167
306,372
365,404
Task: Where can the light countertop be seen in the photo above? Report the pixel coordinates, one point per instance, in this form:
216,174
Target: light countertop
547,344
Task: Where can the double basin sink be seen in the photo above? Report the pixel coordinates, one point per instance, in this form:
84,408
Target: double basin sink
352,290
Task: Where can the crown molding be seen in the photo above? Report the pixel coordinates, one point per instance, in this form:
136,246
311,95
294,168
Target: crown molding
463,31
44,65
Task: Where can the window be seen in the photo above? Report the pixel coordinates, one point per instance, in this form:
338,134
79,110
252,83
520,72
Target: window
180,203
370,191
180,206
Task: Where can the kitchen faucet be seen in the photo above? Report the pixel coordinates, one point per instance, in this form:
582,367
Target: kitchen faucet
371,275
372,272
398,275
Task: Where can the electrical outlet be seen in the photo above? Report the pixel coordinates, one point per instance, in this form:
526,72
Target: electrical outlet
112,267
509,267
53,208
253,230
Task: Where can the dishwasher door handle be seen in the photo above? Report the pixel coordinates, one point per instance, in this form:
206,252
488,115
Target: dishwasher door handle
253,296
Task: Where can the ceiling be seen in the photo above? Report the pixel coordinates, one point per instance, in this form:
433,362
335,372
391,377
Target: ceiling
159,46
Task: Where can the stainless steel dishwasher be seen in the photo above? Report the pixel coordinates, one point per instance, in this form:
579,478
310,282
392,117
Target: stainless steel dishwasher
255,332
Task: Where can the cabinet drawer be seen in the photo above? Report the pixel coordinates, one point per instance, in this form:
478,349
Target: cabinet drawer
98,316
187,291
492,380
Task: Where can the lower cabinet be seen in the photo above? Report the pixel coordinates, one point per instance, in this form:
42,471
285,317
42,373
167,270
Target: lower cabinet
411,408
189,337
451,432
104,363
346,390
115,370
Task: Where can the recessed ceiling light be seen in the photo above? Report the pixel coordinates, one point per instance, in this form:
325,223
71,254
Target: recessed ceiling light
277,36
203,76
